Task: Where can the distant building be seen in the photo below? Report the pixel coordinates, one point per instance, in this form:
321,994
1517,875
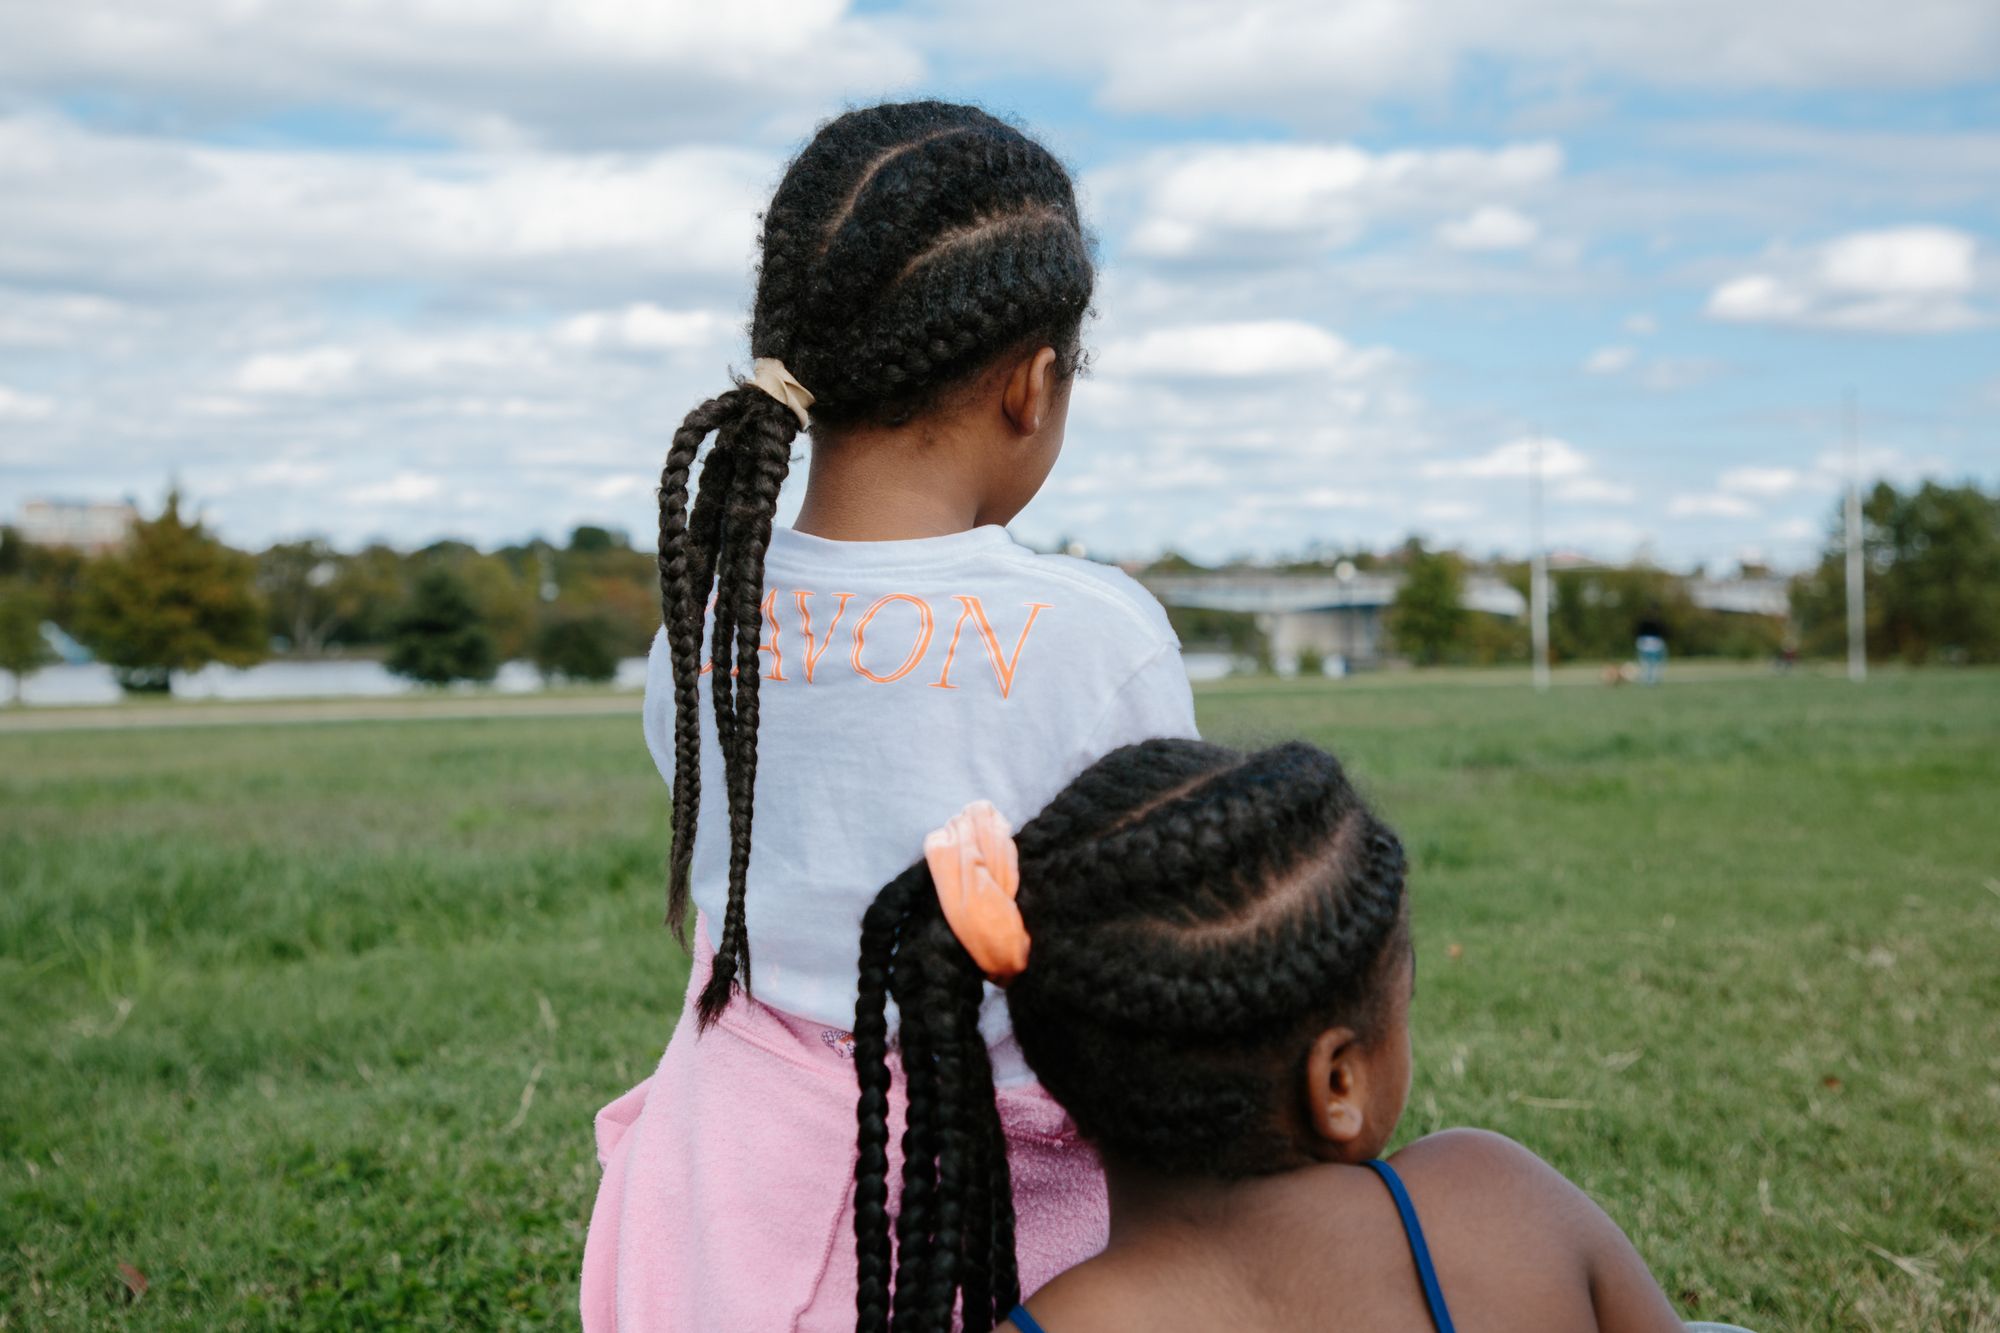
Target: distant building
91,526
1763,596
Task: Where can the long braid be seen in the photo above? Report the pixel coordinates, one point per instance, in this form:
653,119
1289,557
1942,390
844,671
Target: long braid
681,617
908,247
752,504
881,926
988,1282
1196,913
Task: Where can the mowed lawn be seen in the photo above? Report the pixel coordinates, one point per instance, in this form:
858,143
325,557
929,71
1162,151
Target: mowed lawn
303,1026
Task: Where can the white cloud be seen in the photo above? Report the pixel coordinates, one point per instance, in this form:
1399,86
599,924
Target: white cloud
315,370
1762,481
1242,350
1595,490
1448,511
1239,198
1641,325
193,217
597,72
1570,474
16,405
1610,360
1710,505
47,320
1489,227
1756,298
1313,62
644,326
1671,374
402,488
1902,261
1516,458
1912,279
1797,530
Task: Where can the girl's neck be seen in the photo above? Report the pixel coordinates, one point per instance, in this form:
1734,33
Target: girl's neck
892,484
1147,1209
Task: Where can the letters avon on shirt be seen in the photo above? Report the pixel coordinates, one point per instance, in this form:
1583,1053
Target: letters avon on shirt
911,621
899,681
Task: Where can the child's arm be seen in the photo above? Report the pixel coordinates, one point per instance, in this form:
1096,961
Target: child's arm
1513,1182
1623,1290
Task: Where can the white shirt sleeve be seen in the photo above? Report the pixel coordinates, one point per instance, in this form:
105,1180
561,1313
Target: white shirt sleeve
657,714
1155,701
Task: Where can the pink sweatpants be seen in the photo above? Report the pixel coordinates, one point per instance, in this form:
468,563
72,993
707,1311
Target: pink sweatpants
727,1201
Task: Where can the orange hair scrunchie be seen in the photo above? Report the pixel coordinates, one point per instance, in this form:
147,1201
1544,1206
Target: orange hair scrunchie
977,870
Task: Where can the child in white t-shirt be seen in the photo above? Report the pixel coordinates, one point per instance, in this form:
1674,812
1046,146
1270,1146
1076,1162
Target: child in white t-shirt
839,689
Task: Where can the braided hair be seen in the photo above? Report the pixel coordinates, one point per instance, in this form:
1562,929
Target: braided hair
909,247
1197,915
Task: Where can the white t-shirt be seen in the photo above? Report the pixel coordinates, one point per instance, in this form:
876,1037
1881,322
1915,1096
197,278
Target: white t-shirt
901,681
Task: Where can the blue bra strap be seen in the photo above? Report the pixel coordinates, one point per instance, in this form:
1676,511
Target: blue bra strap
1025,1321
1414,1230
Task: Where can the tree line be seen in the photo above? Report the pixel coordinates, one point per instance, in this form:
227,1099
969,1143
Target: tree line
174,597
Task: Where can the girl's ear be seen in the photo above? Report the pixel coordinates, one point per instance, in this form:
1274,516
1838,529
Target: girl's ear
1336,1093
1030,392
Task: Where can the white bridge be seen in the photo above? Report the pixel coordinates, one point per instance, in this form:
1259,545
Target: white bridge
1323,614
1341,618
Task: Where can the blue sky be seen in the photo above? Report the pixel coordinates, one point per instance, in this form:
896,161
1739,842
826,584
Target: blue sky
373,270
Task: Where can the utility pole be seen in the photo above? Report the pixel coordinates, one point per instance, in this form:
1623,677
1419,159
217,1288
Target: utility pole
1857,618
1538,567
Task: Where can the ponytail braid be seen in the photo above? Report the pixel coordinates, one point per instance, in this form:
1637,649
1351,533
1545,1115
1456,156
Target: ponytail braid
719,548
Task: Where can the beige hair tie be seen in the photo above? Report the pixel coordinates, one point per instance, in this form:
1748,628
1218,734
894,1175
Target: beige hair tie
769,374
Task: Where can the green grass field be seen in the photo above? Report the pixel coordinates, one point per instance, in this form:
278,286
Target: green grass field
304,1025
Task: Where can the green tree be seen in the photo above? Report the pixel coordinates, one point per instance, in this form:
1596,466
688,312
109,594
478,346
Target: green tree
1932,560
23,650
1429,614
54,572
174,599
578,644
589,539
369,590
504,595
440,637
297,582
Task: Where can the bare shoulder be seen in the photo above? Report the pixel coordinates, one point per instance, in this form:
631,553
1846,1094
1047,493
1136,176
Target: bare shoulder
1493,1196
1096,1296
1479,1173
1480,1153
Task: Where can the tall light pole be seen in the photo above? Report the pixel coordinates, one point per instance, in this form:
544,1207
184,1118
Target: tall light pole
1538,567
1857,618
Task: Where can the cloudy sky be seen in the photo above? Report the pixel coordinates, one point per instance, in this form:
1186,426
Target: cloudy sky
457,267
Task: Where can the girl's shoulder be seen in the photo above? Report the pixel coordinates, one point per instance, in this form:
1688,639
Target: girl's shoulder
1509,1226
1468,1175
1108,588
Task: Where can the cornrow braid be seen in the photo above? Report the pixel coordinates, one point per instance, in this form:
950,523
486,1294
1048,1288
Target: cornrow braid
908,247
1196,915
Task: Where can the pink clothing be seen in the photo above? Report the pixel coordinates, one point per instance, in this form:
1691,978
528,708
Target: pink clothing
727,1201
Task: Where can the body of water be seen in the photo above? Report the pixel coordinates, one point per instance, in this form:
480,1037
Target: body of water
354,678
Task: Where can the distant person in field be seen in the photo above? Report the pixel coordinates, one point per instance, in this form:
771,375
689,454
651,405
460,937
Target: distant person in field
1651,640
841,687
1207,961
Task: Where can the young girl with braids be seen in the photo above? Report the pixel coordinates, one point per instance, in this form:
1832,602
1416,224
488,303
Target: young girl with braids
842,686
1207,959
